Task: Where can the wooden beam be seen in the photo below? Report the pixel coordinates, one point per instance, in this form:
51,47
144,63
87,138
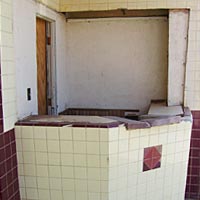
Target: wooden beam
117,13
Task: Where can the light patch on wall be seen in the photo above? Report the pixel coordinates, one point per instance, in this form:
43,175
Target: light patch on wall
117,63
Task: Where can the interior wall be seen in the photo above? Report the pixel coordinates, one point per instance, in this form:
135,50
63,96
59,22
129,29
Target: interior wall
25,12
117,63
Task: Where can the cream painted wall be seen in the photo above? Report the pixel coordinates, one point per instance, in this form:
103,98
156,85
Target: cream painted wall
117,63
25,12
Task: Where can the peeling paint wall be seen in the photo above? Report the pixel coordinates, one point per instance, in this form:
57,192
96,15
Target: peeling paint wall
178,32
117,63
192,83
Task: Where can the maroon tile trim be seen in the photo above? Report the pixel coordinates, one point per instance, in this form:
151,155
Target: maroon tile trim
193,176
96,125
74,124
29,121
9,186
130,124
196,114
59,124
162,121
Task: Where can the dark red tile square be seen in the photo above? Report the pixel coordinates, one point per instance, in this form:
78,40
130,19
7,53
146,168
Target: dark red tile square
194,180
1,111
194,153
194,188
16,185
145,167
10,190
1,140
2,169
14,160
12,136
195,134
1,125
1,96
9,164
195,171
196,114
195,143
6,138
187,190
13,147
3,183
9,178
152,157
196,123
3,155
8,151
188,180
4,195
17,196
1,108
14,173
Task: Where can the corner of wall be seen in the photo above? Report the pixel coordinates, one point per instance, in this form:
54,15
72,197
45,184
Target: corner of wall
8,79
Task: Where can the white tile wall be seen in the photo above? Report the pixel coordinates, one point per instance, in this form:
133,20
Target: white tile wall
7,64
64,165
60,161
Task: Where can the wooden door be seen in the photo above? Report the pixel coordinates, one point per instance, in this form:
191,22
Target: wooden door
41,66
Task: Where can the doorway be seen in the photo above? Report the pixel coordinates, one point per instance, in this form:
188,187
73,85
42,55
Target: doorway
45,68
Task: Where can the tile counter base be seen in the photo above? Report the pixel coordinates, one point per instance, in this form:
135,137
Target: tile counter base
85,163
193,177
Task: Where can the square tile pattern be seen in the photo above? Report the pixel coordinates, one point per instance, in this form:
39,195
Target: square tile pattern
192,97
152,157
7,78
9,186
193,177
79,164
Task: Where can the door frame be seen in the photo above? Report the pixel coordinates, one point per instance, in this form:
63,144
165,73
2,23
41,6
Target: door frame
52,67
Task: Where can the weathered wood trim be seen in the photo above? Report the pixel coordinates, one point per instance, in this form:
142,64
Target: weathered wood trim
117,13
180,10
